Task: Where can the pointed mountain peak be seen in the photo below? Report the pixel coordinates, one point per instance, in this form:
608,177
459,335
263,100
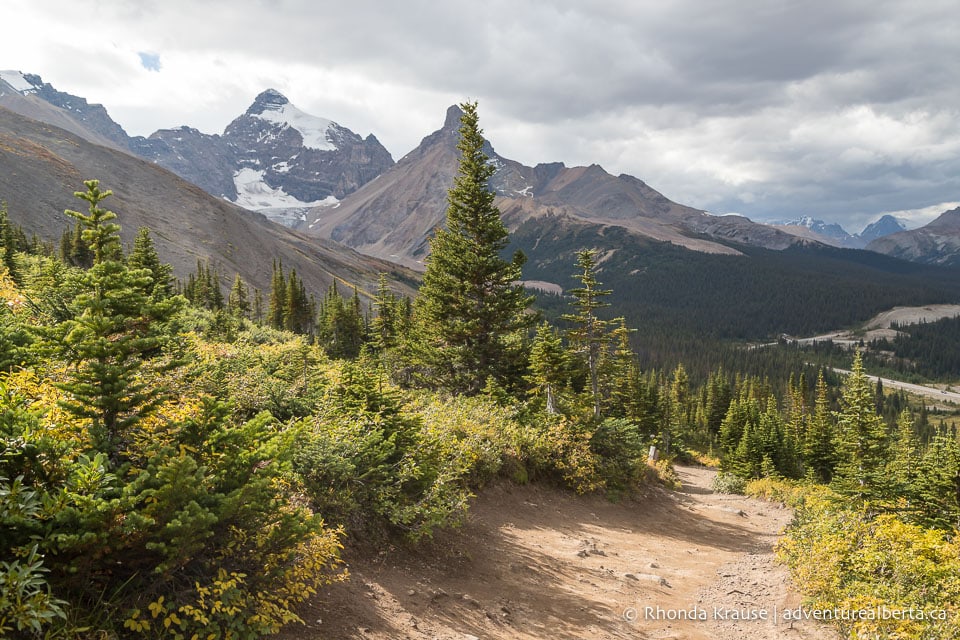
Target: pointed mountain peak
452,121
884,226
269,100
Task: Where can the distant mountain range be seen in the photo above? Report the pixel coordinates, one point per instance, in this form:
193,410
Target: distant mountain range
394,216
336,188
834,235
309,172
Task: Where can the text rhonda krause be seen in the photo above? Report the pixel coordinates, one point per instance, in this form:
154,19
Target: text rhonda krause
791,614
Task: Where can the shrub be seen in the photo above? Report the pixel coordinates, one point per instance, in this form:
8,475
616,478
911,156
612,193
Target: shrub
725,482
846,559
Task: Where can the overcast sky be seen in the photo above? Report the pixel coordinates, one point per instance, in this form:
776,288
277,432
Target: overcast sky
842,110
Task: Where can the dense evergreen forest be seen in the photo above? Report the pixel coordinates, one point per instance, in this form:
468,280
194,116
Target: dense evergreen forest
925,351
681,298
187,459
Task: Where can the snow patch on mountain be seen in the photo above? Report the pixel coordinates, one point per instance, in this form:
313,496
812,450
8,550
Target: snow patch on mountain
254,193
314,130
16,80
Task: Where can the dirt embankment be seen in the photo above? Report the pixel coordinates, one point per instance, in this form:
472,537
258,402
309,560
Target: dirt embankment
538,563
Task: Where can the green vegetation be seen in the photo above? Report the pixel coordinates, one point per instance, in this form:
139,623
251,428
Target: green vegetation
179,463
470,314
689,305
925,351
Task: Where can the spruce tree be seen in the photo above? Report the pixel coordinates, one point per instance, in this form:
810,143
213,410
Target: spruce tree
257,310
386,326
588,334
862,436
471,311
904,461
819,450
144,256
548,365
114,329
278,297
8,244
238,304
620,372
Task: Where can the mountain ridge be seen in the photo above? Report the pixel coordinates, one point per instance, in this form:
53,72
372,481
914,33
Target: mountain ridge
938,242
273,158
41,166
392,217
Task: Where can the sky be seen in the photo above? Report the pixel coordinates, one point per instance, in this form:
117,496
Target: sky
842,110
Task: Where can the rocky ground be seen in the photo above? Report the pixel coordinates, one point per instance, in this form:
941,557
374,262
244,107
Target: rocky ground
533,562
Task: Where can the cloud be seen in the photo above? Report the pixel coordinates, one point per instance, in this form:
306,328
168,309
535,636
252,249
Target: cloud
843,110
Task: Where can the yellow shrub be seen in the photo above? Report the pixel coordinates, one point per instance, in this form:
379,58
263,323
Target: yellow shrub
846,560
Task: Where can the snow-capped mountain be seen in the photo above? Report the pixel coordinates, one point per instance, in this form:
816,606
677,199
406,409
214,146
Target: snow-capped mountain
275,158
834,234
814,229
28,95
18,81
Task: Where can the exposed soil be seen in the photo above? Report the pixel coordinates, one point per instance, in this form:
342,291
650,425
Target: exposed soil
533,562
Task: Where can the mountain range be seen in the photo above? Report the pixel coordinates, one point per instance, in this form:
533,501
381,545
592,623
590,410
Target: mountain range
834,235
311,173
342,193
41,165
936,243
394,216
274,158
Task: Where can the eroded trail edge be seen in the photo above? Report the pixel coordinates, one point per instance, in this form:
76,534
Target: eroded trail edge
532,562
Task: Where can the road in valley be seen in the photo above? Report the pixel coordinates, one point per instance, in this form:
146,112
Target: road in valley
919,389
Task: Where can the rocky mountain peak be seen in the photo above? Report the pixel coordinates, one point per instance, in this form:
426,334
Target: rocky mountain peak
452,120
269,100
880,228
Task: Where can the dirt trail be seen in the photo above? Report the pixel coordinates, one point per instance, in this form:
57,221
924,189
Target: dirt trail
532,562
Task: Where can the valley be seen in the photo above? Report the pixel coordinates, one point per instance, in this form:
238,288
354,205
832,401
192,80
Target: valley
880,325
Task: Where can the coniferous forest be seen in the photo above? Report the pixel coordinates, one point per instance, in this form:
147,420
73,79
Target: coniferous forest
188,458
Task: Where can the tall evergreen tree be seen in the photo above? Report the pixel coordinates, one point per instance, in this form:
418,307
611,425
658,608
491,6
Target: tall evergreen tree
238,303
8,244
471,311
862,437
98,232
819,449
588,334
905,458
257,311
278,297
297,310
548,365
115,327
